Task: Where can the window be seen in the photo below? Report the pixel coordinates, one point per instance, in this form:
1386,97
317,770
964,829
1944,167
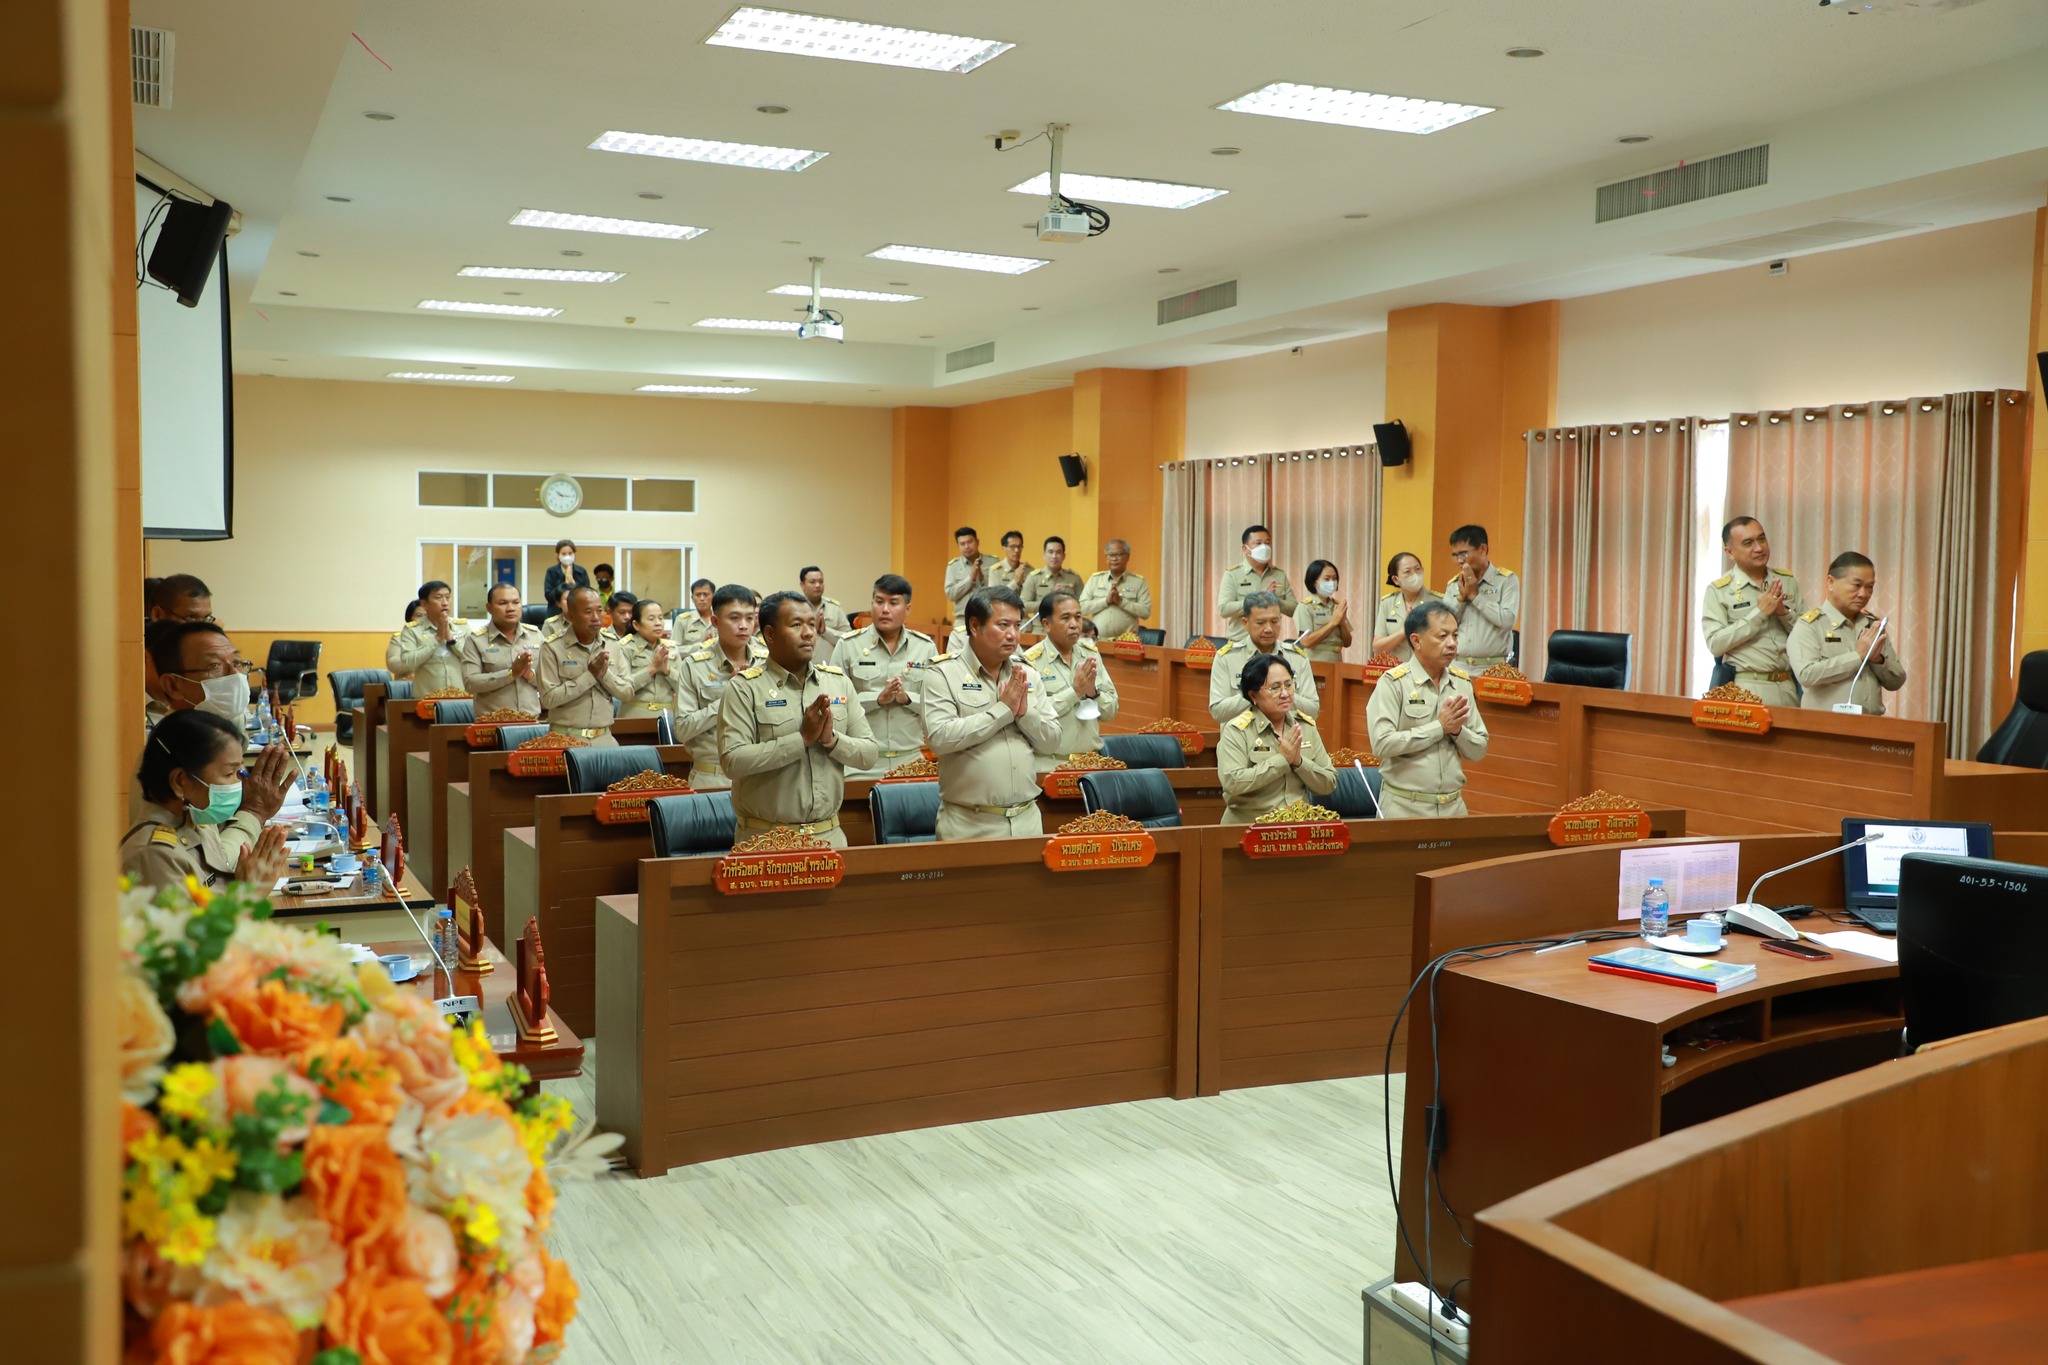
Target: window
521,491
664,495
454,490
472,569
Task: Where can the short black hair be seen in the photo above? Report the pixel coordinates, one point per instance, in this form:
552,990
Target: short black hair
605,568
1052,540
641,604
186,741
1259,601
773,603
966,531
1728,527
1314,572
161,592
984,601
807,570
1251,531
1006,537
1850,559
1422,613
1051,600
413,609
564,544
703,583
723,597
1469,535
893,585
623,596
432,586
1090,629
569,594
165,641
1255,670
492,595
1393,577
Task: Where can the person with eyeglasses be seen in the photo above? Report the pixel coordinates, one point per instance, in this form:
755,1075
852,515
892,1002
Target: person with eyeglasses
1271,754
200,817
197,668
179,597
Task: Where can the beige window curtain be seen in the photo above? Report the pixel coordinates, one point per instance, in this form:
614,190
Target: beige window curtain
1608,543
1915,484
1181,596
1325,504
1237,499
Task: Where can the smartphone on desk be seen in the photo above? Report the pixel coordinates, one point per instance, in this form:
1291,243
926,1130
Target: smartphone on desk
1795,948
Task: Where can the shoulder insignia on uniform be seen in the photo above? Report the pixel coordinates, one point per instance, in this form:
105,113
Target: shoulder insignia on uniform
1244,720
918,633
756,671
831,668
1724,580
1397,671
1813,615
1781,573
1225,648
1035,651
1460,673
164,836
939,658
701,656
1088,644
831,601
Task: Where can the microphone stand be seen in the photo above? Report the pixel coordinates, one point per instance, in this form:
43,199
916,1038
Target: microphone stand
1761,919
1850,707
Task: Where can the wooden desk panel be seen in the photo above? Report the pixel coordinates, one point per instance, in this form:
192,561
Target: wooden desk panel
1140,691
404,733
1524,771
1993,793
1982,1313
363,741
428,773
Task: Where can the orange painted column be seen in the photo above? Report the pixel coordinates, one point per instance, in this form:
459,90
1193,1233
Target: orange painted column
1116,430
919,531
2033,613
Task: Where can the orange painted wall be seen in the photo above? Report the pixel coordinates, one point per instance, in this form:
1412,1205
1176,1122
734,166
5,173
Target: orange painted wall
2034,565
1004,471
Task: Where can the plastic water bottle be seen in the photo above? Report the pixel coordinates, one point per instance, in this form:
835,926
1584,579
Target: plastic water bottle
373,873
316,792
1656,910
265,722
444,936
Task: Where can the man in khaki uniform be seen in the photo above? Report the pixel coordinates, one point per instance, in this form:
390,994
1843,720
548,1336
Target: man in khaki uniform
1262,611
618,624
429,651
691,626
987,719
1828,644
1748,614
788,730
832,623
966,575
1117,600
1485,598
1074,677
1257,573
579,678
1425,723
1054,577
883,660
499,662
1011,570
706,673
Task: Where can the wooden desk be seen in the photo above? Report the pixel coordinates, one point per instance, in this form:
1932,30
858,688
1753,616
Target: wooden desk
368,742
403,732
1892,1215
409,892
556,1061
444,759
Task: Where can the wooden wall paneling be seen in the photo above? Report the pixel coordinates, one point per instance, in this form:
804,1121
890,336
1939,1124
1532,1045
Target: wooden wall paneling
428,773
494,801
369,746
1525,769
622,1084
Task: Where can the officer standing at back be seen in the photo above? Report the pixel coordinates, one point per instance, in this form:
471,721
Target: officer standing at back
1074,678
1257,573
1424,722
1262,615
987,719
1485,598
882,660
1748,613
429,651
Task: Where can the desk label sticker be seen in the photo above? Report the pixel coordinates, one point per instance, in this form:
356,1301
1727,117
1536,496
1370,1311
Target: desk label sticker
1128,650
1090,852
1201,654
625,801
424,707
747,874
1503,691
1190,739
1308,840
1736,717
1601,818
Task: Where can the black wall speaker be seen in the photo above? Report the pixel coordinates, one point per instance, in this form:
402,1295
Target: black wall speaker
2041,359
1074,470
188,245
1393,442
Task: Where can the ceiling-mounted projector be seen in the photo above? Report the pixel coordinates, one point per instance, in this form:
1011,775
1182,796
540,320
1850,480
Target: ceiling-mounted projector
820,323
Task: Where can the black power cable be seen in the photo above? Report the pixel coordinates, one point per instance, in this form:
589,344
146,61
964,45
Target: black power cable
1098,219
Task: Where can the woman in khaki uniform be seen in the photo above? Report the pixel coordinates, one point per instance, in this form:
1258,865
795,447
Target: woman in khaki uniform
192,789
652,661
1267,756
1322,623
1405,577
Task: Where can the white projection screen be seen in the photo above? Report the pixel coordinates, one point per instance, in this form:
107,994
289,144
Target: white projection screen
188,458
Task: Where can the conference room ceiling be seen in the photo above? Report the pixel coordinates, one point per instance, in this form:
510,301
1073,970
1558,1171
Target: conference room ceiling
1911,119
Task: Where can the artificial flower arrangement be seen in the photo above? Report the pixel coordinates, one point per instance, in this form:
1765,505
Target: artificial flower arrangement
319,1169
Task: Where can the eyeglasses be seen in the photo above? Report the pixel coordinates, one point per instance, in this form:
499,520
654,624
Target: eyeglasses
1278,689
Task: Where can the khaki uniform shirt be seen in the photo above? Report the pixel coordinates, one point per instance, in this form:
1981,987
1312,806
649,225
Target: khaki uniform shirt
1077,736
1741,636
164,849
898,728
777,779
576,698
832,626
700,687
987,756
690,632
1116,621
554,627
652,692
1240,581
417,652
1486,624
1414,752
487,659
1391,616
1822,648
1226,702
960,584
1313,614
1003,576
1039,582
1256,776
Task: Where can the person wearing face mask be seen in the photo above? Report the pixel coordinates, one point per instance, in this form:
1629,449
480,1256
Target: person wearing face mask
1054,577
1256,573
1828,644
1322,623
429,651
882,658
563,574
199,818
501,661
1074,678
987,718
1405,576
196,668
1270,755
1262,614
605,575
652,663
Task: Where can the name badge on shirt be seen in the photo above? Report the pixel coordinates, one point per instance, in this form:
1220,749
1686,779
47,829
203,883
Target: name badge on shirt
572,663
1417,702
1738,606
777,701
970,687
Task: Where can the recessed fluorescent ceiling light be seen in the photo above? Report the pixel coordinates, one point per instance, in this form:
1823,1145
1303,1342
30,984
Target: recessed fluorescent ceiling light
959,260
749,324
1115,189
584,222
458,378
858,295
516,310
1354,108
692,388
520,272
749,154
846,40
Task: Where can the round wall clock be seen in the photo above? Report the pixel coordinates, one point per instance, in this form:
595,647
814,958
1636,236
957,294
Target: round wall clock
561,494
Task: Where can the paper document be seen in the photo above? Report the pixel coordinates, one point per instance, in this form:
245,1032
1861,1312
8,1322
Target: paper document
1697,877
1856,941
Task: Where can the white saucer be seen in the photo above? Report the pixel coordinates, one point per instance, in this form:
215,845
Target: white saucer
1679,943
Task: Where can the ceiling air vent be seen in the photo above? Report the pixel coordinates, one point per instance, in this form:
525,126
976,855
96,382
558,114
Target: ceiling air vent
1685,184
968,357
1213,298
149,65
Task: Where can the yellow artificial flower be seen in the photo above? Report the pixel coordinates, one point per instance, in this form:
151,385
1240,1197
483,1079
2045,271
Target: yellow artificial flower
185,1090
191,1237
155,1149
199,894
208,1163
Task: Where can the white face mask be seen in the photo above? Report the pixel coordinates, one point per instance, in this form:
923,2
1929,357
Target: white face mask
1262,554
227,698
1411,582
1327,588
568,560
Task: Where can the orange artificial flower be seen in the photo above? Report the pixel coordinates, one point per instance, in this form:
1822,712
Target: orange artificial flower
388,1320
358,1185
540,1200
471,1309
352,1076
231,1333
135,1123
557,1306
277,1021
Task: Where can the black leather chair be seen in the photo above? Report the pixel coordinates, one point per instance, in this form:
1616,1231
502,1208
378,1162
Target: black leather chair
2021,739
1148,636
293,669
1588,658
347,685
1515,647
692,826
1144,751
905,812
1723,674
533,613
592,770
1351,799
1143,794
664,729
1216,640
512,736
454,712
398,689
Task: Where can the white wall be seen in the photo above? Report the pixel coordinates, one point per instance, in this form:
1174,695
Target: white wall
1935,313
1326,395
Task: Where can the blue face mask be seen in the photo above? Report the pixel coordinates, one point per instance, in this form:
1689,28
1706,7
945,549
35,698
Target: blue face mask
221,805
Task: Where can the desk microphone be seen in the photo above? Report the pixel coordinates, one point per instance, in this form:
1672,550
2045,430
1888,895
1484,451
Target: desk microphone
1360,765
1850,708
1761,919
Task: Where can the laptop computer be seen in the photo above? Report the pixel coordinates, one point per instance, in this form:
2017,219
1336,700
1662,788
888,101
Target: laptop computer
1870,874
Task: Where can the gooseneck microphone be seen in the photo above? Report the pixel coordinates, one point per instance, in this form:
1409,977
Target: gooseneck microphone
1761,919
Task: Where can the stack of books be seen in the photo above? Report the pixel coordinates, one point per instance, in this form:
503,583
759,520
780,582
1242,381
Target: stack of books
1674,969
